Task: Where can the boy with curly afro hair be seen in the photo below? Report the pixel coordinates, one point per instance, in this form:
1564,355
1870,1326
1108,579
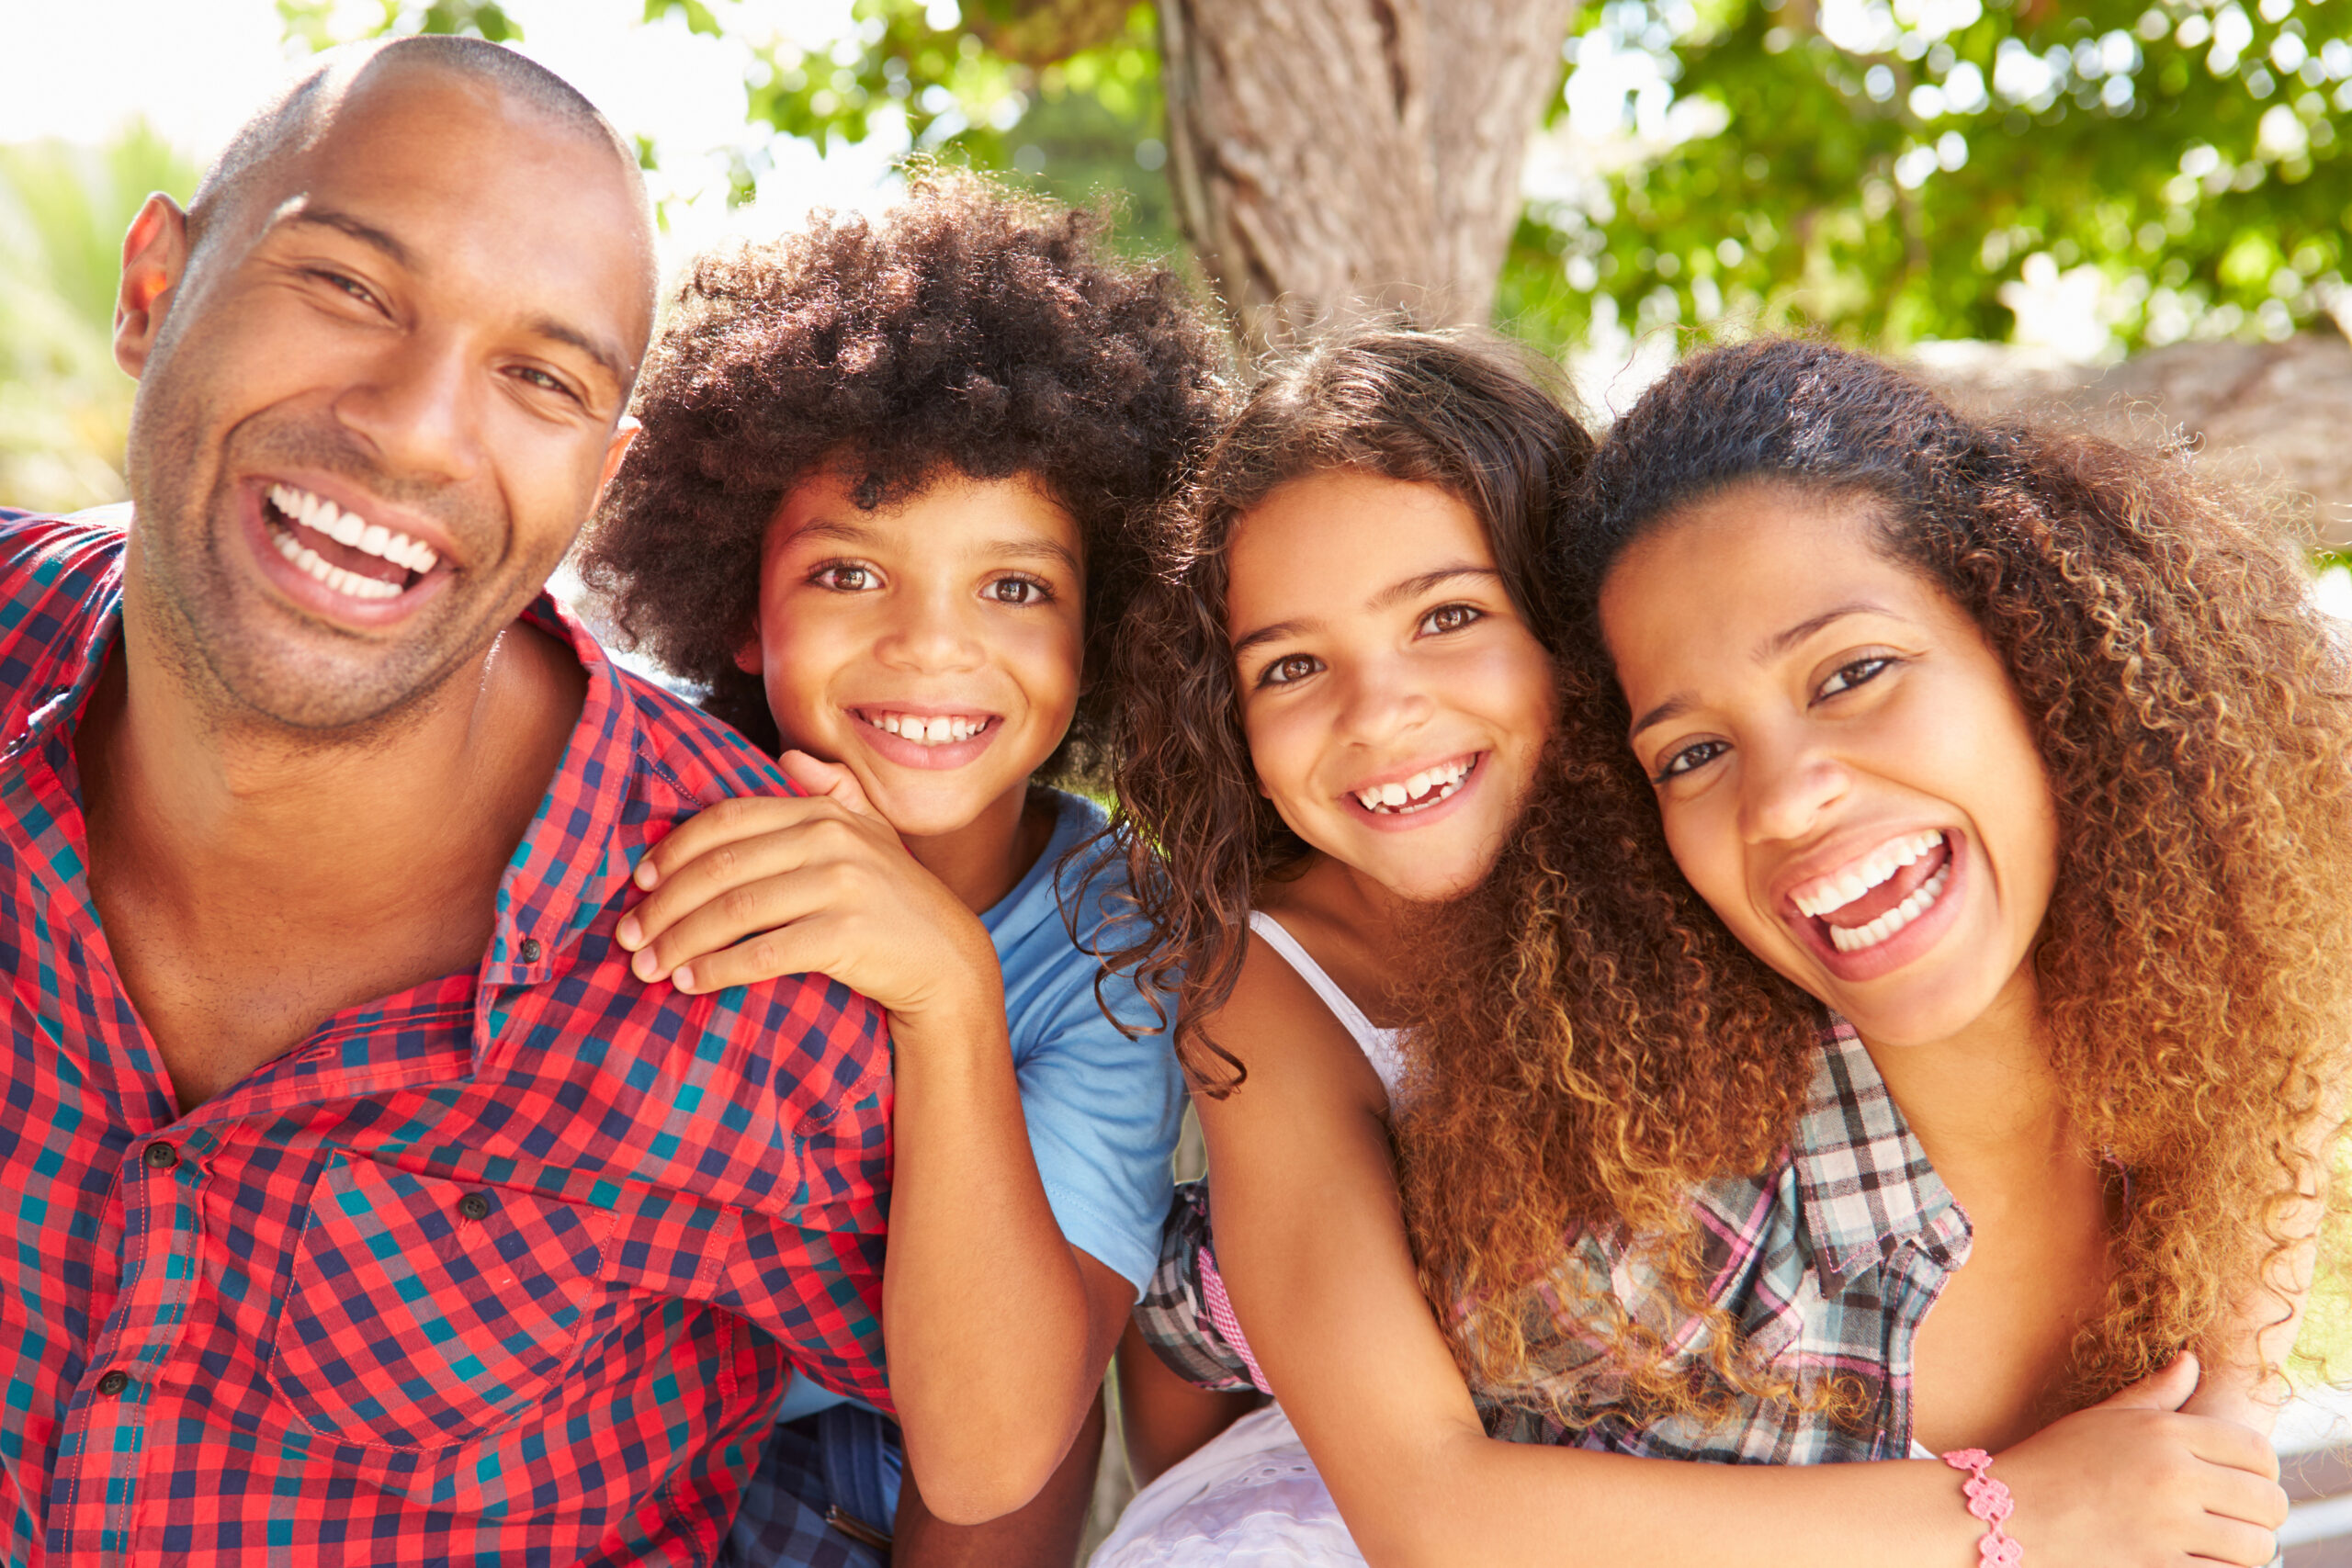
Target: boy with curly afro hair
886,507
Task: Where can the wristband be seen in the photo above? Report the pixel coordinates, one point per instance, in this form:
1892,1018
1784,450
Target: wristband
1988,1500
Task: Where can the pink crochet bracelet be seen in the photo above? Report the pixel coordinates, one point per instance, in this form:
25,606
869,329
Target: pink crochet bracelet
1988,1500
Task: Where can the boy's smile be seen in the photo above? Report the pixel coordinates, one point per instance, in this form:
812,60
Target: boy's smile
930,647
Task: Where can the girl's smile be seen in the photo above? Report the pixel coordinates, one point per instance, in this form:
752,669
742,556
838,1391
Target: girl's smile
1394,701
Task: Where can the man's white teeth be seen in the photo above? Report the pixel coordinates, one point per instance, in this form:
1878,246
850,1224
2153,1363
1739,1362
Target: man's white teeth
1921,900
315,511
1833,892
940,731
346,582
1423,789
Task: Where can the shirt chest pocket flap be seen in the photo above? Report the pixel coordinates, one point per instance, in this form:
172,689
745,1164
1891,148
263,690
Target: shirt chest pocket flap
424,1312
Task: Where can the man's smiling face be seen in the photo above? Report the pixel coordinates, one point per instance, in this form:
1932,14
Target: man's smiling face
378,405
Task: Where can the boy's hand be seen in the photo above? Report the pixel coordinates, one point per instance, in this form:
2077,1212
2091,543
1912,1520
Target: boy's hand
2130,1481
821,886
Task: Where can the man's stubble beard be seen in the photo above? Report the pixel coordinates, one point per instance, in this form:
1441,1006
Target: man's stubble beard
210,630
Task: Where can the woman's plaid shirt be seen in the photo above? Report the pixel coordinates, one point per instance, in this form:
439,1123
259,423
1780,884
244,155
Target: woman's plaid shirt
509,1267
1827,1263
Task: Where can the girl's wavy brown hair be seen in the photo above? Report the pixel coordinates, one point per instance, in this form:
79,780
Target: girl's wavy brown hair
1598,1042
1472,416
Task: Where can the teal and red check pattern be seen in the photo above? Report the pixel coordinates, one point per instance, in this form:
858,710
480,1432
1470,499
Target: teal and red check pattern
511,1266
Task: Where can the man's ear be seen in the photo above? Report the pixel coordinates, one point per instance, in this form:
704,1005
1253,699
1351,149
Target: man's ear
623,436
154,256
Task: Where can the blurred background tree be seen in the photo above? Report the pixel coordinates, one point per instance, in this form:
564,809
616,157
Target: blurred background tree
2091,180
64,409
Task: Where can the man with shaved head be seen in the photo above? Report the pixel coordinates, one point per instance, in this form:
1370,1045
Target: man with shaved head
365,1208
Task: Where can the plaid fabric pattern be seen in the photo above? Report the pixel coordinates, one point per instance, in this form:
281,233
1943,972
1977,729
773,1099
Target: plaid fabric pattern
511,1266
1827,1263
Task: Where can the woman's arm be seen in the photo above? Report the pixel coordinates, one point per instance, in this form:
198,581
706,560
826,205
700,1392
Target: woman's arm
1312,1245
2244,1376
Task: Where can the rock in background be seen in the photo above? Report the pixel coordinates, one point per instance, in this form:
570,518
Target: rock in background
2277,416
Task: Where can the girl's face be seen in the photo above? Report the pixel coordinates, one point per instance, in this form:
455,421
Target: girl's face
1394,701
1844,770
931,648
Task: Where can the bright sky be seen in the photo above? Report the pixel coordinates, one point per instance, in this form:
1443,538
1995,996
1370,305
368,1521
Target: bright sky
81,68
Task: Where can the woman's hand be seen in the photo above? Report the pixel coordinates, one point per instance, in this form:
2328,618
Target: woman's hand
2131,1482
760,888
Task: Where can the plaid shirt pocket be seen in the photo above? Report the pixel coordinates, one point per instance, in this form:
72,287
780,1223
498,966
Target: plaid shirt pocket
424,1313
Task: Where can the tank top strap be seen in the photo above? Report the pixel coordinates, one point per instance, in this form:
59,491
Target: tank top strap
1382,1047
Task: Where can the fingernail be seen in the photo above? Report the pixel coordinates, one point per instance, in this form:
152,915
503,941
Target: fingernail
629,933
682,977
643,965
648,873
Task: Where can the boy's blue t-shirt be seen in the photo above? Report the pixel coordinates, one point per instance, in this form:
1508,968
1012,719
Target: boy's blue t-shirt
1102,1108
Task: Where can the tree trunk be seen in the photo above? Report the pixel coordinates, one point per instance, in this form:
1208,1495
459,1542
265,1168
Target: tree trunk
1335,157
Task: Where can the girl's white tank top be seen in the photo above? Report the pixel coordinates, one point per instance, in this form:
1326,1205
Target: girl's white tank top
1383,1048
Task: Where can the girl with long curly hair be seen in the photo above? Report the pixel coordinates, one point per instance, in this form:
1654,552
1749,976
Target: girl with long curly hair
1913,1012
1670,1220
1334,693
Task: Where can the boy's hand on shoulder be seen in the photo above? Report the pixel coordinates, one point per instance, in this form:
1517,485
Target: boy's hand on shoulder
756,888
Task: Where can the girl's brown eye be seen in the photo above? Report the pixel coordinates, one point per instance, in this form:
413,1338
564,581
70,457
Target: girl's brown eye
1296,667
1449,618
847,579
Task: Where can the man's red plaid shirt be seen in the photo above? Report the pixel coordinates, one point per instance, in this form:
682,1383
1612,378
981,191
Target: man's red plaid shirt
509,1267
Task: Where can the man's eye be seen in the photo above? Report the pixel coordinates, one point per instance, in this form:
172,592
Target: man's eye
1690,759
844,579
1296,667
1860,673
1019,591
1450,619
542,379
350,286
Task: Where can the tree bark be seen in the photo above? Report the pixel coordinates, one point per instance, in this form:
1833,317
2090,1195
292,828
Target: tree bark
1332,158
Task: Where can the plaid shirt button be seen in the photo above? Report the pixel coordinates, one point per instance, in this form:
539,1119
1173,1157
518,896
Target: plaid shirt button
114,1383
530,950
474,1206
162,1157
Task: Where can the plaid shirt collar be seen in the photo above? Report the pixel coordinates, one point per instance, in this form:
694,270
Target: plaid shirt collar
1864,1183
563,872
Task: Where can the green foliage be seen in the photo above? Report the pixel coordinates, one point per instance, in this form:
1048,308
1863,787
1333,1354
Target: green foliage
64,408
1893,171
1075,113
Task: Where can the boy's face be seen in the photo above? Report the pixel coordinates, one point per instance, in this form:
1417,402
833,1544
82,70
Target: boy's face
931,648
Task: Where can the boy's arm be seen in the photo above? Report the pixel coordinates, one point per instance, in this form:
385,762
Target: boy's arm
997,1330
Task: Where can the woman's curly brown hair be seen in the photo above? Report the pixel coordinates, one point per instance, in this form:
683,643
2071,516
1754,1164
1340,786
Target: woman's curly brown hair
1473,417
969,330
1599,1042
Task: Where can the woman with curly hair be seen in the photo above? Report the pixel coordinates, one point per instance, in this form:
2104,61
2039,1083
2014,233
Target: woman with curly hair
886,507
1919,994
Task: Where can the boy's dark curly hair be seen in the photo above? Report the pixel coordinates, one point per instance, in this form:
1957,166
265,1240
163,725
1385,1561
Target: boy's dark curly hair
969,330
